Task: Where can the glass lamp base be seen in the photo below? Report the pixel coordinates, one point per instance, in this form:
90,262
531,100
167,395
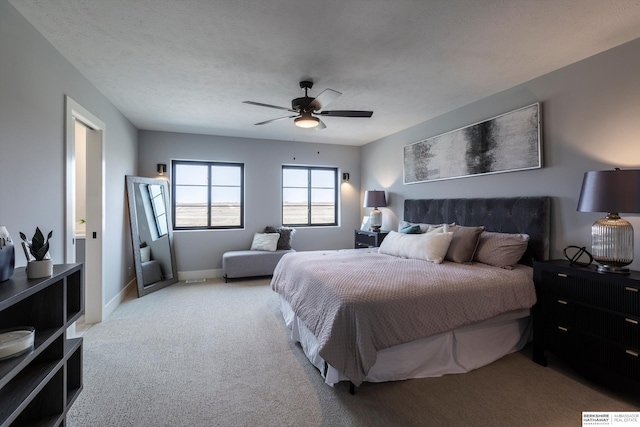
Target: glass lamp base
375,219
612,244
602,268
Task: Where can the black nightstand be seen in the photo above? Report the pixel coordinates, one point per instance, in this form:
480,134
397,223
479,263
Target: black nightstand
591,320
369,239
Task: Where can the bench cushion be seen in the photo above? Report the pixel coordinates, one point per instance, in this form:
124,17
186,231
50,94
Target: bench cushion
151,272
251,263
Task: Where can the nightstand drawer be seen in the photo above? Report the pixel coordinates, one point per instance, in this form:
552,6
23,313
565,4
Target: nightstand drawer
570,314
575,346
624,360
368,239
557,309
560,339
593,290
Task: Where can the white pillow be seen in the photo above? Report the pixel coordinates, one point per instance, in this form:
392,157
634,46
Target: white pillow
145,254
265,242
431,246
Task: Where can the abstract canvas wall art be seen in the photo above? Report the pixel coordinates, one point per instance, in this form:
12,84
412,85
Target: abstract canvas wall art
505,143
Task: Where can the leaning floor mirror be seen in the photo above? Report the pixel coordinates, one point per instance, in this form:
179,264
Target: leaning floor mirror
151,233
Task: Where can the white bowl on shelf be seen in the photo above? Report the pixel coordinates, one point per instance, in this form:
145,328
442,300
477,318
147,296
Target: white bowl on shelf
16,341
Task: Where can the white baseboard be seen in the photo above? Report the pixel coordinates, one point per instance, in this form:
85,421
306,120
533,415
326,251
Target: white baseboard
200,274
117,300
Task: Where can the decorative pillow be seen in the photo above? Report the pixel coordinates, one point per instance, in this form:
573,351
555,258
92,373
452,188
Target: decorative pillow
423,227
265,242
404,224
411,229
501,249
463,244
145,254
439,227
427,246
286,233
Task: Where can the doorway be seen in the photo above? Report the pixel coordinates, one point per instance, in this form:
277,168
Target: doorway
81,124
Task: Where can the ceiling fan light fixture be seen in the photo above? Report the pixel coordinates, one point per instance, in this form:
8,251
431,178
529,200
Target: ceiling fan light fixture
305,107
307,121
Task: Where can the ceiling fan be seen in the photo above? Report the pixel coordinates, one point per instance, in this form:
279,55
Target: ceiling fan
306,108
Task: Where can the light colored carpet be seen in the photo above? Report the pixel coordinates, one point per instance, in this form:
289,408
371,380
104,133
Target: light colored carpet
216,354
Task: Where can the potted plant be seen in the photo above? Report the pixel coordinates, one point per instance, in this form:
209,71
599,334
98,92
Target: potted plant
41,265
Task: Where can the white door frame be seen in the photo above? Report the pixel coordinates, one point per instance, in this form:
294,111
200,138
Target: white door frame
95,221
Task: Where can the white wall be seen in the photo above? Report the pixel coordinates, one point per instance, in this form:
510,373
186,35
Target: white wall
34,79
263,160
590,121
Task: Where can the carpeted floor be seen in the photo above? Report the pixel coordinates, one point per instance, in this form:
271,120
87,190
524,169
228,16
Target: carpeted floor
217,354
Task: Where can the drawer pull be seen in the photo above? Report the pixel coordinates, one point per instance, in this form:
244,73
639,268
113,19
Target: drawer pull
631,289
562,275
626,319
632,353
562,302
563,329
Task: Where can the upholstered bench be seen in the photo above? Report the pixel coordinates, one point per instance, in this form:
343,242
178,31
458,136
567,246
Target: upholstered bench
237,264
151,272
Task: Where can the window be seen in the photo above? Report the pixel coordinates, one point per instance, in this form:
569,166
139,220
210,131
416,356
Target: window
208,195
157,205
309,196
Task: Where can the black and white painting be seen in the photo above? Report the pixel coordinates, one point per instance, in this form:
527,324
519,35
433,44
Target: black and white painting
505,143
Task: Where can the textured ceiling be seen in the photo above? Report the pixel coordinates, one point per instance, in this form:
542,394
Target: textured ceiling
187,65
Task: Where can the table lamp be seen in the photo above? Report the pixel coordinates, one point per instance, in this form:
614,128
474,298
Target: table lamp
611,191
375,199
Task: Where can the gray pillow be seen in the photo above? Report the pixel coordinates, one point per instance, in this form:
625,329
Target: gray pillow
502,250
286,234
463,244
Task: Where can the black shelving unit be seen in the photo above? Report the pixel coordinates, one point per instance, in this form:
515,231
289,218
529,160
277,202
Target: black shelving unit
39,387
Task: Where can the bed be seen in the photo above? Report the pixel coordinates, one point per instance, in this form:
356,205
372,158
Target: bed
371,315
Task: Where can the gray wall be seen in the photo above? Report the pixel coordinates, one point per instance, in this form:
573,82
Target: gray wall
34,79
263,160
590,121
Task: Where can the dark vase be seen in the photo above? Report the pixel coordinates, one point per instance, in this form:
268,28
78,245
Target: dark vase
7,254
7,261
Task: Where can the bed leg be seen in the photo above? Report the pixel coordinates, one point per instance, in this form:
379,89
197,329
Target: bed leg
352,389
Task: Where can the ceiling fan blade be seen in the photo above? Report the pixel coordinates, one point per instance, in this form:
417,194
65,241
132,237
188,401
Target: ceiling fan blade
260,104
321,125
275,120
346,113
325,98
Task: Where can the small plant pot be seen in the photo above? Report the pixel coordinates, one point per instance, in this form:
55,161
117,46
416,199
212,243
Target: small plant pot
38,269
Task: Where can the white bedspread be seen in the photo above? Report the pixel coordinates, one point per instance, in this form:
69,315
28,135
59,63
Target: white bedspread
357,302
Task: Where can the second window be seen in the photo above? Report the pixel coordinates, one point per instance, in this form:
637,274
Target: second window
309,196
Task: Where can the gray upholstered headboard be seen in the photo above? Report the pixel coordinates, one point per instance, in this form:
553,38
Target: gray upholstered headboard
528,215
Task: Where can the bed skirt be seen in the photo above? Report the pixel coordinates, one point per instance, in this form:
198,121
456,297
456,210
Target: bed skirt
454,352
